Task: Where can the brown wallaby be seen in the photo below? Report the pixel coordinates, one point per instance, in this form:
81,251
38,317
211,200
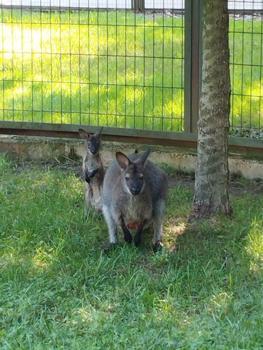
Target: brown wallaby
93,171
134,194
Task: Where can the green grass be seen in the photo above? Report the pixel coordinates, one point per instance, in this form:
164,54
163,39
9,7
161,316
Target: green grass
83,81
59,292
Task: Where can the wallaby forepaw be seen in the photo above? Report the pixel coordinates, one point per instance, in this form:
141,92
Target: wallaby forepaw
157,246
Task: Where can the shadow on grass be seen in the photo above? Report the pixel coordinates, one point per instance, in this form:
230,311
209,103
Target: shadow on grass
58,289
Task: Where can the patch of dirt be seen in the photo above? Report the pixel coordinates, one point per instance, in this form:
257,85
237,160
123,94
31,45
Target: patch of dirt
181,179
238,185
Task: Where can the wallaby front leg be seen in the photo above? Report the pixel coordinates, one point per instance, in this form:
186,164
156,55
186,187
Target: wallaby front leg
138,235
112,227
126,232
157,238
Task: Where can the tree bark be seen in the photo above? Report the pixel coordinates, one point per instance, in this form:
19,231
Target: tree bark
212,173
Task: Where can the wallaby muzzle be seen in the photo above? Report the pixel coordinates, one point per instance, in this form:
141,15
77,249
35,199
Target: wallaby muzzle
94,148
135,190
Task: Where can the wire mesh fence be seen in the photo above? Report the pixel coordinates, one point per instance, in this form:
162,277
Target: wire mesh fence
246,48
100,62
95,67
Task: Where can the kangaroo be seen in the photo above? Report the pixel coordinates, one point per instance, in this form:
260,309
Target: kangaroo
134,194
93,171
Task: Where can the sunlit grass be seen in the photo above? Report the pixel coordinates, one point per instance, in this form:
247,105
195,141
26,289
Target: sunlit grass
246,72
98,68
79,73
59,291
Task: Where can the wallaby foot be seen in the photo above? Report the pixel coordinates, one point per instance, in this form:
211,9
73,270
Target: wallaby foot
157,246
108,247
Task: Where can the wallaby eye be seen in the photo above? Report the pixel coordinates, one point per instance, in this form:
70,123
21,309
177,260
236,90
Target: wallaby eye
141,176
127,176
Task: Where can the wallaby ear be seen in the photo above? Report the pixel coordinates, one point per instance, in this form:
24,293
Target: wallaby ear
98,134
122,160
84,134
100,131
144,156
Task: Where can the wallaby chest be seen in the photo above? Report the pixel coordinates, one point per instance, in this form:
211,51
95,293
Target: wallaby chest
135,210
91,163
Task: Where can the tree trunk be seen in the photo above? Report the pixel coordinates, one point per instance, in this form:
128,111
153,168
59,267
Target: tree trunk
212,174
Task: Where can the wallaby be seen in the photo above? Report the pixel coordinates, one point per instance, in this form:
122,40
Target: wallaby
133,195
93,171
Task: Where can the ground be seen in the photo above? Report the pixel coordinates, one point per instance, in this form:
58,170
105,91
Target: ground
58,291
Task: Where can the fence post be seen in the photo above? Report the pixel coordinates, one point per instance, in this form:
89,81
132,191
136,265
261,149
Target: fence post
138,5
192,63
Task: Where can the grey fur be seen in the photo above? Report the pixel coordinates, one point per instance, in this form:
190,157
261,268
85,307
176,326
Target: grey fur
120,207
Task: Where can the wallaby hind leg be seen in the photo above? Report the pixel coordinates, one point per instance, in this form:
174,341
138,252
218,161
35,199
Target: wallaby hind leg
87,206
111,225
86,200
158,225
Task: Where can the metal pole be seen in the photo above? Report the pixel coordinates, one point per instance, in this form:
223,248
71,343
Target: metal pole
138,5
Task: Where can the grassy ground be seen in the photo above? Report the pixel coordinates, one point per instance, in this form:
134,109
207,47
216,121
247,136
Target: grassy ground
59,292
64,67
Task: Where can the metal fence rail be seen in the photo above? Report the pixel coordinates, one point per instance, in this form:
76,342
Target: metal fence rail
233,5
133,68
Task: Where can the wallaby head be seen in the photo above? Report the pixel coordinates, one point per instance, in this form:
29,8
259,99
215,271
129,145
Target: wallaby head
93,141
132,172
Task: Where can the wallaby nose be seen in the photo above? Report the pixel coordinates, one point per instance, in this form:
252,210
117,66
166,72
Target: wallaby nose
135,190
93,149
